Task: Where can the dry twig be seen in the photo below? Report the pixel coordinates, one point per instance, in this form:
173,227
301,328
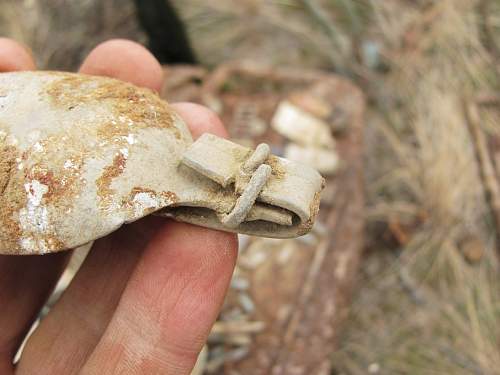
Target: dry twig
490,183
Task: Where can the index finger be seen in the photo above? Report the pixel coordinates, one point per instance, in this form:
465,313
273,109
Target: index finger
130,62
14,56
124,60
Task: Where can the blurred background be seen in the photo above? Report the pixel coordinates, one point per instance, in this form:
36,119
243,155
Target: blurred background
400,276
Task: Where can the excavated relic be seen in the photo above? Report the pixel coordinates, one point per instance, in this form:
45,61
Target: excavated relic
81,155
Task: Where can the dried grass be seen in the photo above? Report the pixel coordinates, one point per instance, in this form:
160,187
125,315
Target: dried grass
279,32
442,315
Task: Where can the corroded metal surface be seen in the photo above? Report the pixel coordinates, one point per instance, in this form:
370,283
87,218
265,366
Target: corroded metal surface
74,154
82,155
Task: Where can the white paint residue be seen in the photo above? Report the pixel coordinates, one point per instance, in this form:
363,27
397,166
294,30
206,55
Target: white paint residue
130,139
35,191
12,141
144,201
34,246
38,147
124,152
3,100
34,219
28,244
68,164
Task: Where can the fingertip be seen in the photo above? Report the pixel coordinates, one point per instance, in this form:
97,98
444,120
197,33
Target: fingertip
200,119
125,60
15,56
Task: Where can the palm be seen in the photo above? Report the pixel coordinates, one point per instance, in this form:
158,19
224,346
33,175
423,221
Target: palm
146,296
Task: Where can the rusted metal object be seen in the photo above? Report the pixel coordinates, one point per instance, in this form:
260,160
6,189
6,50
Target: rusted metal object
82,155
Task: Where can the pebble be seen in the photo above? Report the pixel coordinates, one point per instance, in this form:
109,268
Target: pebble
246,302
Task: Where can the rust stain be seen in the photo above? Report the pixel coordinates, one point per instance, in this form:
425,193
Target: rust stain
60,184
143,107
7,162
50,163
113,132
12,199
104,182
170,195
277,170
53,243
16,170
53,168
314,210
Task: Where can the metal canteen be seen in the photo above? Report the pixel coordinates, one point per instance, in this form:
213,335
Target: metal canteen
80,156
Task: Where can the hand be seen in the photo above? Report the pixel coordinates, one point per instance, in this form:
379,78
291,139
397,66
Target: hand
147,295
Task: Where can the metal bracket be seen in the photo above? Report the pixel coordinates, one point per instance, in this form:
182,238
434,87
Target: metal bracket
267,194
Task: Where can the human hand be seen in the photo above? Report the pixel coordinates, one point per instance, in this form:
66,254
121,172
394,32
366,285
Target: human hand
146,296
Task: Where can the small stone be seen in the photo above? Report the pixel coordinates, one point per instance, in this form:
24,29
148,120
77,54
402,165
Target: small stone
327,162
472,248
237,354
239,283
308,239
301,127
374,368
246,303
310,103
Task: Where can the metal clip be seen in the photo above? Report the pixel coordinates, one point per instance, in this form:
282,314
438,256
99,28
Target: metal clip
259,175
259,193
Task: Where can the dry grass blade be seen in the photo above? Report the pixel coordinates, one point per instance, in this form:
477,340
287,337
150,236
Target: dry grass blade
235,327
491,185
329,27
433,166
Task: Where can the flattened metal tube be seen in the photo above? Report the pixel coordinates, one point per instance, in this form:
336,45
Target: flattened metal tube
258,157
248,197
